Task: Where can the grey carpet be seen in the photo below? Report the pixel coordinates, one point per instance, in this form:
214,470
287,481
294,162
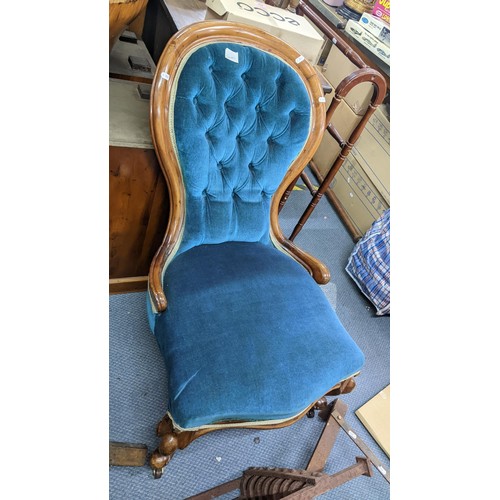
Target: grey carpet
137,389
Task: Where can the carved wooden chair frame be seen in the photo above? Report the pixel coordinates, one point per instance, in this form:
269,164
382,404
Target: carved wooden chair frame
180,46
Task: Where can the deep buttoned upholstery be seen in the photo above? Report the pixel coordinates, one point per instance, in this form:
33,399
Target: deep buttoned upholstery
238,126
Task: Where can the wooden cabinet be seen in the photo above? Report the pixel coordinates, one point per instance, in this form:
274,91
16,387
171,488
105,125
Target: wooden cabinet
138,195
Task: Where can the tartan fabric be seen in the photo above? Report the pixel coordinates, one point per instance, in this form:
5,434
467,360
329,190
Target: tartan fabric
369,264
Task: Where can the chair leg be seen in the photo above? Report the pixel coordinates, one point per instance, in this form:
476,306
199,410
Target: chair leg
167,447
163,454
165,426
344,387
171,440
320,405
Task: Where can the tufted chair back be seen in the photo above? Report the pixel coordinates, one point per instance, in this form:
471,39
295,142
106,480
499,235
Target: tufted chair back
241,116
230,114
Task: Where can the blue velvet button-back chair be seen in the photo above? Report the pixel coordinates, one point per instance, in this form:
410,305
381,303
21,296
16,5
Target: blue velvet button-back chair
248,337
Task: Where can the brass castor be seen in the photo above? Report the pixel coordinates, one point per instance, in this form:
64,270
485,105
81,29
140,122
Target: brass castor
157,473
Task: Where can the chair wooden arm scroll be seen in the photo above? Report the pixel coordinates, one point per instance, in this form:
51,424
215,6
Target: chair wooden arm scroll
315,267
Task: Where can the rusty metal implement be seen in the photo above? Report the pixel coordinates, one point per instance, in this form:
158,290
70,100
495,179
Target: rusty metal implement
271,483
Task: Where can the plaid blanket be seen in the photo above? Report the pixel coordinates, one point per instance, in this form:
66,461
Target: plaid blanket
369,264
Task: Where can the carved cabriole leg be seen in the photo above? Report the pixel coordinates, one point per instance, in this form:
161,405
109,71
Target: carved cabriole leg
164,426
158,462
171,440
168,445
343,388
163,454
321,404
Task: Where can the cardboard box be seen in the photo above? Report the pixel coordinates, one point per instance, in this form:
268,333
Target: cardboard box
376,27
357,194
372,152
344,120
382,10
123,57
362,184
371,42
375,415
295,30
336,67
128,115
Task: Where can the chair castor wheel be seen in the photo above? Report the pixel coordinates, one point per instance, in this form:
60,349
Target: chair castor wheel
157,473
310,413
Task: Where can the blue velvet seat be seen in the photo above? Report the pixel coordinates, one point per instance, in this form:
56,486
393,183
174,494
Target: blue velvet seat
247,334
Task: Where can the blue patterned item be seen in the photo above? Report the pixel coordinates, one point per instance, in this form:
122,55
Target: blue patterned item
369,264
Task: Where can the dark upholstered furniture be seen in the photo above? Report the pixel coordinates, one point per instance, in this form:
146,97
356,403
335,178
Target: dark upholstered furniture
248,337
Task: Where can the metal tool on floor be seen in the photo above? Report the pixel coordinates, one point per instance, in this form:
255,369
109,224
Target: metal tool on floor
339,418
269,483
